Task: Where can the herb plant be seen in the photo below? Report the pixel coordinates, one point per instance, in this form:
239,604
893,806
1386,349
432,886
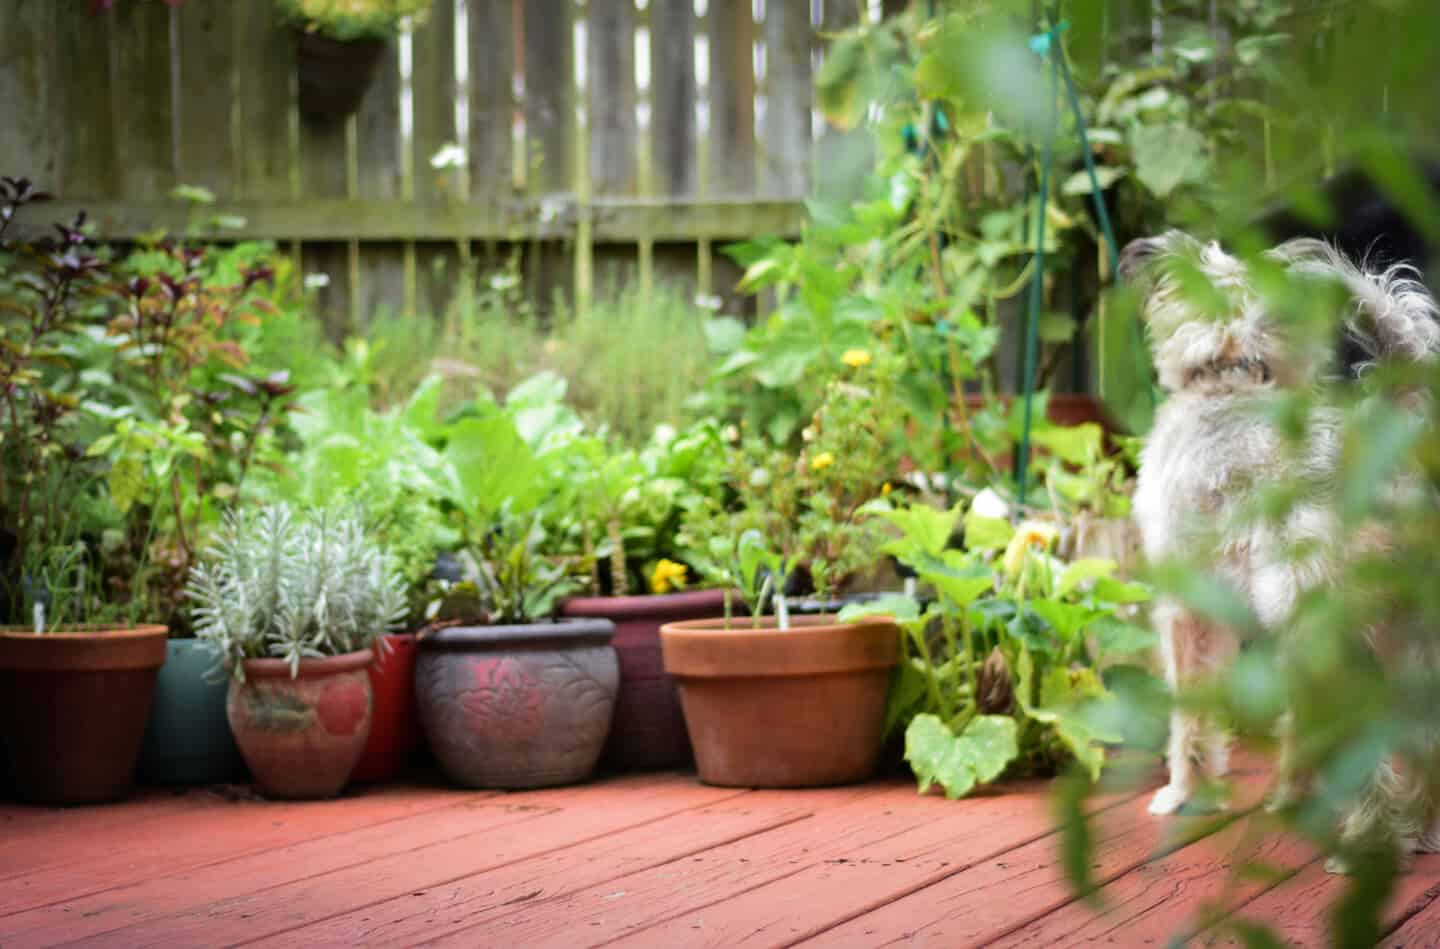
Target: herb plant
290,585
350,20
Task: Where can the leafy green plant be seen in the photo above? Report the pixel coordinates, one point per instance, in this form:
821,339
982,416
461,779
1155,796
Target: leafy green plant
348,20
810,506
1003,668
292,586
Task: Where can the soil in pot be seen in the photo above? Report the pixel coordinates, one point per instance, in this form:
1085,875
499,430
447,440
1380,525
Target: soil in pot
648,733
333,76
188,739
771,709
73,708
394,731
303,736
517,706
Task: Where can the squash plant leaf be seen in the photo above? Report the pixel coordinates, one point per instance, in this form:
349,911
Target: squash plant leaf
958,763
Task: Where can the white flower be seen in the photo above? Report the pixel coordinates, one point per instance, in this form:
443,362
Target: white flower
989,504
315,281
449,156
731,433
503,281
708,301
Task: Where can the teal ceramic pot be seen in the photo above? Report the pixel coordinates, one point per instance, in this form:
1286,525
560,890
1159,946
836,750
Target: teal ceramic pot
188,739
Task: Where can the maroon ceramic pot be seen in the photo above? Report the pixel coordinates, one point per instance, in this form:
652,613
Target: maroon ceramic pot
302,737
394,731
649,730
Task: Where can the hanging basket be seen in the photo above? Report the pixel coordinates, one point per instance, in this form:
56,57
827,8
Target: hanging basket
334,75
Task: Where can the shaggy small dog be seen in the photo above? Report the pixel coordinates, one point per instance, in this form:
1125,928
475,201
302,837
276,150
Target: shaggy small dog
1217,353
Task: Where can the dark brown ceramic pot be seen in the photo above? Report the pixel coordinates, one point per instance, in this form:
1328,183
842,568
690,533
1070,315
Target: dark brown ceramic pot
649,729
73,708
517,706
333,76
770,709
302,736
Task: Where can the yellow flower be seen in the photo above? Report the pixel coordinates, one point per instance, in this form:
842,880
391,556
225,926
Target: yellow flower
885,488
1029,534
668,575
855,358
823,460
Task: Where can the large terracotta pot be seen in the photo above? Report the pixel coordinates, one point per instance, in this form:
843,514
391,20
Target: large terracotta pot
394,731
649,729
188,739
772,709
302,736
73,707
517,706
332,75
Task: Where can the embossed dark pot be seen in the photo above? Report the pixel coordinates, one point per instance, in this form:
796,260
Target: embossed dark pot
302,736
517,706
649,729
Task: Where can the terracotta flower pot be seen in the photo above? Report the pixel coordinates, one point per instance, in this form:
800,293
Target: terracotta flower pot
771,709
188,739
393,728
73,707
517,706
302,737
333,75
649,729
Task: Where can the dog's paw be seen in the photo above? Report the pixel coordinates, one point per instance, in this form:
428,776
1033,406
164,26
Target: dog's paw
1280,797
1337,866
1169,800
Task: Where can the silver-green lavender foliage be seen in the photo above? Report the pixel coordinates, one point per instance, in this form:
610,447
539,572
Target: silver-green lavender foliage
284,585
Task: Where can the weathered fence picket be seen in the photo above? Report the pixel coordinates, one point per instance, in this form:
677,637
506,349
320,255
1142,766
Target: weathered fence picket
111,111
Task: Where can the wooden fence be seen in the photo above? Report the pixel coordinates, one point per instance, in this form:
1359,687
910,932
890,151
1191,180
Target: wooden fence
593,135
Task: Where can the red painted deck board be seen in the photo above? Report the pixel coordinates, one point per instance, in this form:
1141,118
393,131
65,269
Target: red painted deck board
646,860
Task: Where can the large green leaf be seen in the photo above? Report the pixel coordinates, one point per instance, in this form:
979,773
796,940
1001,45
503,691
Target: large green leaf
1115,637
986,533
925,530
1080,571
1168,155
491,464
958,763
1068,620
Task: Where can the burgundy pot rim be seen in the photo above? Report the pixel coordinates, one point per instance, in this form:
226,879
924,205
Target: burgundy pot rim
579,631
643,605
309,668
81,631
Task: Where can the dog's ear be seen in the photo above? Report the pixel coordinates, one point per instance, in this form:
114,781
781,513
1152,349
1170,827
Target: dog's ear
1137,255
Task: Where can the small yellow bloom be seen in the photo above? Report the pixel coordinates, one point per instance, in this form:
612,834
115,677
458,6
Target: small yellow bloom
855,358
823,460
885,488
668,575
1029,534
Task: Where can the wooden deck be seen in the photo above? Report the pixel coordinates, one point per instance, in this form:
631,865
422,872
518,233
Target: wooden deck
656,860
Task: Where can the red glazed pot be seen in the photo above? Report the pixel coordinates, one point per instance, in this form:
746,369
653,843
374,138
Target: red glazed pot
393,729
302,737
649,729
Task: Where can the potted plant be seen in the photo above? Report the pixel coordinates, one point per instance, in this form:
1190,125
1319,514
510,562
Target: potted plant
508,697
1006,669
76,671
383,463
339,44
628,511
292,604
780,701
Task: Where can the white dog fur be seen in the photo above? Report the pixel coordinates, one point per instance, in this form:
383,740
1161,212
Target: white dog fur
1209,451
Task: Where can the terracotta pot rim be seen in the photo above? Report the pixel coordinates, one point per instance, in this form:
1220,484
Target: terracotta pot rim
81,632
815,645
309,668
641,605
802,623
577,631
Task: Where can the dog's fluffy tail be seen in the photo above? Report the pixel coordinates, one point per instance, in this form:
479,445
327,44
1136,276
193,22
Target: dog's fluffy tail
1395,317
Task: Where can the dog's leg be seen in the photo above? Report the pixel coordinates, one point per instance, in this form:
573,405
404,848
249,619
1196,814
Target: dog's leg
1286,778
1182,637
1392,804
